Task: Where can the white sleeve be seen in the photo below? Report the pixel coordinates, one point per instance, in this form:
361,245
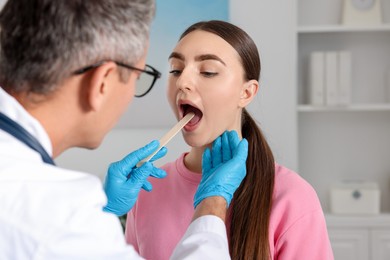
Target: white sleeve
93,236
204,239
79,228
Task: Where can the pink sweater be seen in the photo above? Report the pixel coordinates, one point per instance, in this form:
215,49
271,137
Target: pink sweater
159,219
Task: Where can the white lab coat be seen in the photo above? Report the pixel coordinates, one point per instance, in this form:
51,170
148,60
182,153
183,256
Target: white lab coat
47,212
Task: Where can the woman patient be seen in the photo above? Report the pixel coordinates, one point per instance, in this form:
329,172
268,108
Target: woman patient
275,214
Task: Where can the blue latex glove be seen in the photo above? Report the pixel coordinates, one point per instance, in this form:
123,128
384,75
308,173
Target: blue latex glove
223,168
124,180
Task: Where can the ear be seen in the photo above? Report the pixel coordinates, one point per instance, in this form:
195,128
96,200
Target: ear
100,84
248,92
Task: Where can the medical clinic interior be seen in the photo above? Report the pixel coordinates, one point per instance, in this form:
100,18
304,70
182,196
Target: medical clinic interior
323,105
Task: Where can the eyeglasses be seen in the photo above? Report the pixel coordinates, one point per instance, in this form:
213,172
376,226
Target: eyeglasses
145,82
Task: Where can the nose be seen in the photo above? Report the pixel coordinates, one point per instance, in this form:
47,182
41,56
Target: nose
184,88
185,82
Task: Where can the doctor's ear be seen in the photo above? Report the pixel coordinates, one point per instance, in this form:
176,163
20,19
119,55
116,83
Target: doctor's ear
99,84
248,92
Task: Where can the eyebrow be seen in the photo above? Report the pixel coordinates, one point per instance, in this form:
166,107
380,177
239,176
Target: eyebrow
202,57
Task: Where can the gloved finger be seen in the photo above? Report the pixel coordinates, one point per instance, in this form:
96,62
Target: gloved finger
147,186
161,153
234,140
158,173
242,150
128,163
152,170
226,150
216,152
139,175
206,160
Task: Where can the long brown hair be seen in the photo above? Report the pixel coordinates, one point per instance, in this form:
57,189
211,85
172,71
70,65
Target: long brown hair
250,209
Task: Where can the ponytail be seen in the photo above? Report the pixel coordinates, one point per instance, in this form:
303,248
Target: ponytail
251,207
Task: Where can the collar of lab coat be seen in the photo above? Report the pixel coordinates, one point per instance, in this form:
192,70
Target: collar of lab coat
15,111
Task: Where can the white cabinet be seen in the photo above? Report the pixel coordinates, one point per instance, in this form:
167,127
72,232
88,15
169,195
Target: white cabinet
344,142
359,237
349,243
380,244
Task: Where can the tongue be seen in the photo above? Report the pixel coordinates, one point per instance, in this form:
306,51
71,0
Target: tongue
196,118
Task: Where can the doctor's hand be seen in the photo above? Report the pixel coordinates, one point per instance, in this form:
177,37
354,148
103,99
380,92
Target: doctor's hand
124,180
223,167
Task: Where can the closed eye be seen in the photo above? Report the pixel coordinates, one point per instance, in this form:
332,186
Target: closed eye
209,74
175,72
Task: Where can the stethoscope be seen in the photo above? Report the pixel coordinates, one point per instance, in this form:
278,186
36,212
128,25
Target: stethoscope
16,130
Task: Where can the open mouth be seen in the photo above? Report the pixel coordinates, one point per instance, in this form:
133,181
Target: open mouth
186,108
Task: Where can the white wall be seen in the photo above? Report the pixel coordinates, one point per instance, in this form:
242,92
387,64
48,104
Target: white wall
270,24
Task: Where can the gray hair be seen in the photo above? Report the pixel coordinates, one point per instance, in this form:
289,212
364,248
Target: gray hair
44,41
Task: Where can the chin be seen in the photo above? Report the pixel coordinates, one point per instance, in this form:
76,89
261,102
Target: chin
92,144
195,141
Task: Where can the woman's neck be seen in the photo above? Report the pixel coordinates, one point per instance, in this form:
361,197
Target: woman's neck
193,160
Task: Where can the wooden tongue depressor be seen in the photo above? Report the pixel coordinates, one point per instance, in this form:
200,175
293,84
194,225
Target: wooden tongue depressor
169,135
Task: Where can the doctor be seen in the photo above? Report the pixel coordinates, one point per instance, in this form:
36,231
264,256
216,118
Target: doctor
68,70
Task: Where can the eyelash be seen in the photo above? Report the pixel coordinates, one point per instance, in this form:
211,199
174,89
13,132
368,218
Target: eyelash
175,72
204,73
209,74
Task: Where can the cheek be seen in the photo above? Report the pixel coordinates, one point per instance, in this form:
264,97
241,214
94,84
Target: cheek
225,98
130,91
126,97
222,107
130,86
121,104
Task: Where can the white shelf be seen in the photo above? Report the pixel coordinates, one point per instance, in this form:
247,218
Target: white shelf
342,28
355,107
328,135
344,221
